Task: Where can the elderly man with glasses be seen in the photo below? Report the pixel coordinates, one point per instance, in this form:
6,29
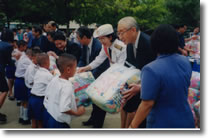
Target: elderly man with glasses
139,53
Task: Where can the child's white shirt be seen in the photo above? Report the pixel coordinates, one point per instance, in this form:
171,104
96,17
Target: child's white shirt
30,74
60,98
41,80
22,65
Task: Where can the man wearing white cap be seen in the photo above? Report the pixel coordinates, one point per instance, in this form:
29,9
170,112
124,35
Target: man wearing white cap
113,49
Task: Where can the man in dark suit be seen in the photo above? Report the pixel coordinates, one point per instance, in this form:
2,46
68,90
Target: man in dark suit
91,49
139,53
39,39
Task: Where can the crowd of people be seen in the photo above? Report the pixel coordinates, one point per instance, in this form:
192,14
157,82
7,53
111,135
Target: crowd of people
48,101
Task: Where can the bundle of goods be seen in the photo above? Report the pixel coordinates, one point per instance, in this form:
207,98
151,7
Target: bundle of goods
197,113
105,91
80,82
194,96
53,68
195,81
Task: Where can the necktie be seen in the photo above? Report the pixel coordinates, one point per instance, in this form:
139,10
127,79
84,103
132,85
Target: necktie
88,55
130,54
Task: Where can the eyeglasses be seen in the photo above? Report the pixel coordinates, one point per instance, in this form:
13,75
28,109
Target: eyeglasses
122,33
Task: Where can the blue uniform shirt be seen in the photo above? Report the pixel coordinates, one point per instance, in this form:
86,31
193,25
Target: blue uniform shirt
166,81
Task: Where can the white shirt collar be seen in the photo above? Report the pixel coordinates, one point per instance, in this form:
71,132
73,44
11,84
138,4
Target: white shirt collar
43,69
90,45
137,40
114,42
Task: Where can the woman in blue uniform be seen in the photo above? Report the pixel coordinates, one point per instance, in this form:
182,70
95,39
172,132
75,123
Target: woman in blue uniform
164,85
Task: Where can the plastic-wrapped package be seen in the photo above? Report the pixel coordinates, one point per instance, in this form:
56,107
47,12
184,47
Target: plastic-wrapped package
193,96
105,90
80,82
195,80
52,63
197,112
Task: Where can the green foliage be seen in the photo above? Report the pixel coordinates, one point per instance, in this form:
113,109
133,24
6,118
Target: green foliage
149,13
183,12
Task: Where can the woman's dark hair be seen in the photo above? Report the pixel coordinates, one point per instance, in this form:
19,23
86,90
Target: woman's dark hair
84,31
113,35
7,35
164,40
52,34
37,29
21,43
59,36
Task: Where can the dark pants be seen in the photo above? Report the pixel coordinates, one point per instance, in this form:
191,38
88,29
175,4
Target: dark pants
52,123
97,116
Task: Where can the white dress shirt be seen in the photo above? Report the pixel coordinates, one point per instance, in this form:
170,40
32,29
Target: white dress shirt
136,43
22,65
41,80
30,74
118,54
60,98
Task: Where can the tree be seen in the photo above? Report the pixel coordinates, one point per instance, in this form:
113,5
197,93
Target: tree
148,13
183,12
8,9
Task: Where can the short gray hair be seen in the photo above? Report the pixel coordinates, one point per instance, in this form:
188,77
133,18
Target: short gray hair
129,22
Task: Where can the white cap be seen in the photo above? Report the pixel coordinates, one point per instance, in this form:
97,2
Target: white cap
103,30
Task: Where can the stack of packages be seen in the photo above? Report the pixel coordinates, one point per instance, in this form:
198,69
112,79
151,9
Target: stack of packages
80,82
105,90
53,68
194,96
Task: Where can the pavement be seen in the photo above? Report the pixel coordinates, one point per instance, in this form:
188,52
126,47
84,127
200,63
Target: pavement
12,111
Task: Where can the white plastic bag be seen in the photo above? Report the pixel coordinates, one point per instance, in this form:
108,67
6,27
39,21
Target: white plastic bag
105,90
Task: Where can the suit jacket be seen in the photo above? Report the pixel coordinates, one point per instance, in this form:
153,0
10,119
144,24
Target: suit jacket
42,42
96,48
71,48
144,53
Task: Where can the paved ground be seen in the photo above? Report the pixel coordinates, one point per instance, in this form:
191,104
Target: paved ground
12,111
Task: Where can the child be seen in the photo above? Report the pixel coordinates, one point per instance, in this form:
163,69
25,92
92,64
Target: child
41,80
20,89
32,69
59,99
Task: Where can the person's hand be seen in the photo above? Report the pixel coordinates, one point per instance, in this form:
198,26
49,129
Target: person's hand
76,100
83,69
17,56
81,110
184,52
194,37
133,90
51,53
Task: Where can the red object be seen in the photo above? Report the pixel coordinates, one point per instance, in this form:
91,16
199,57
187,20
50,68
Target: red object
80,88
106,52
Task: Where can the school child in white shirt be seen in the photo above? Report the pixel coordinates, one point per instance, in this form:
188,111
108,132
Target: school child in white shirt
20,89
41,80
32,69
60,99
